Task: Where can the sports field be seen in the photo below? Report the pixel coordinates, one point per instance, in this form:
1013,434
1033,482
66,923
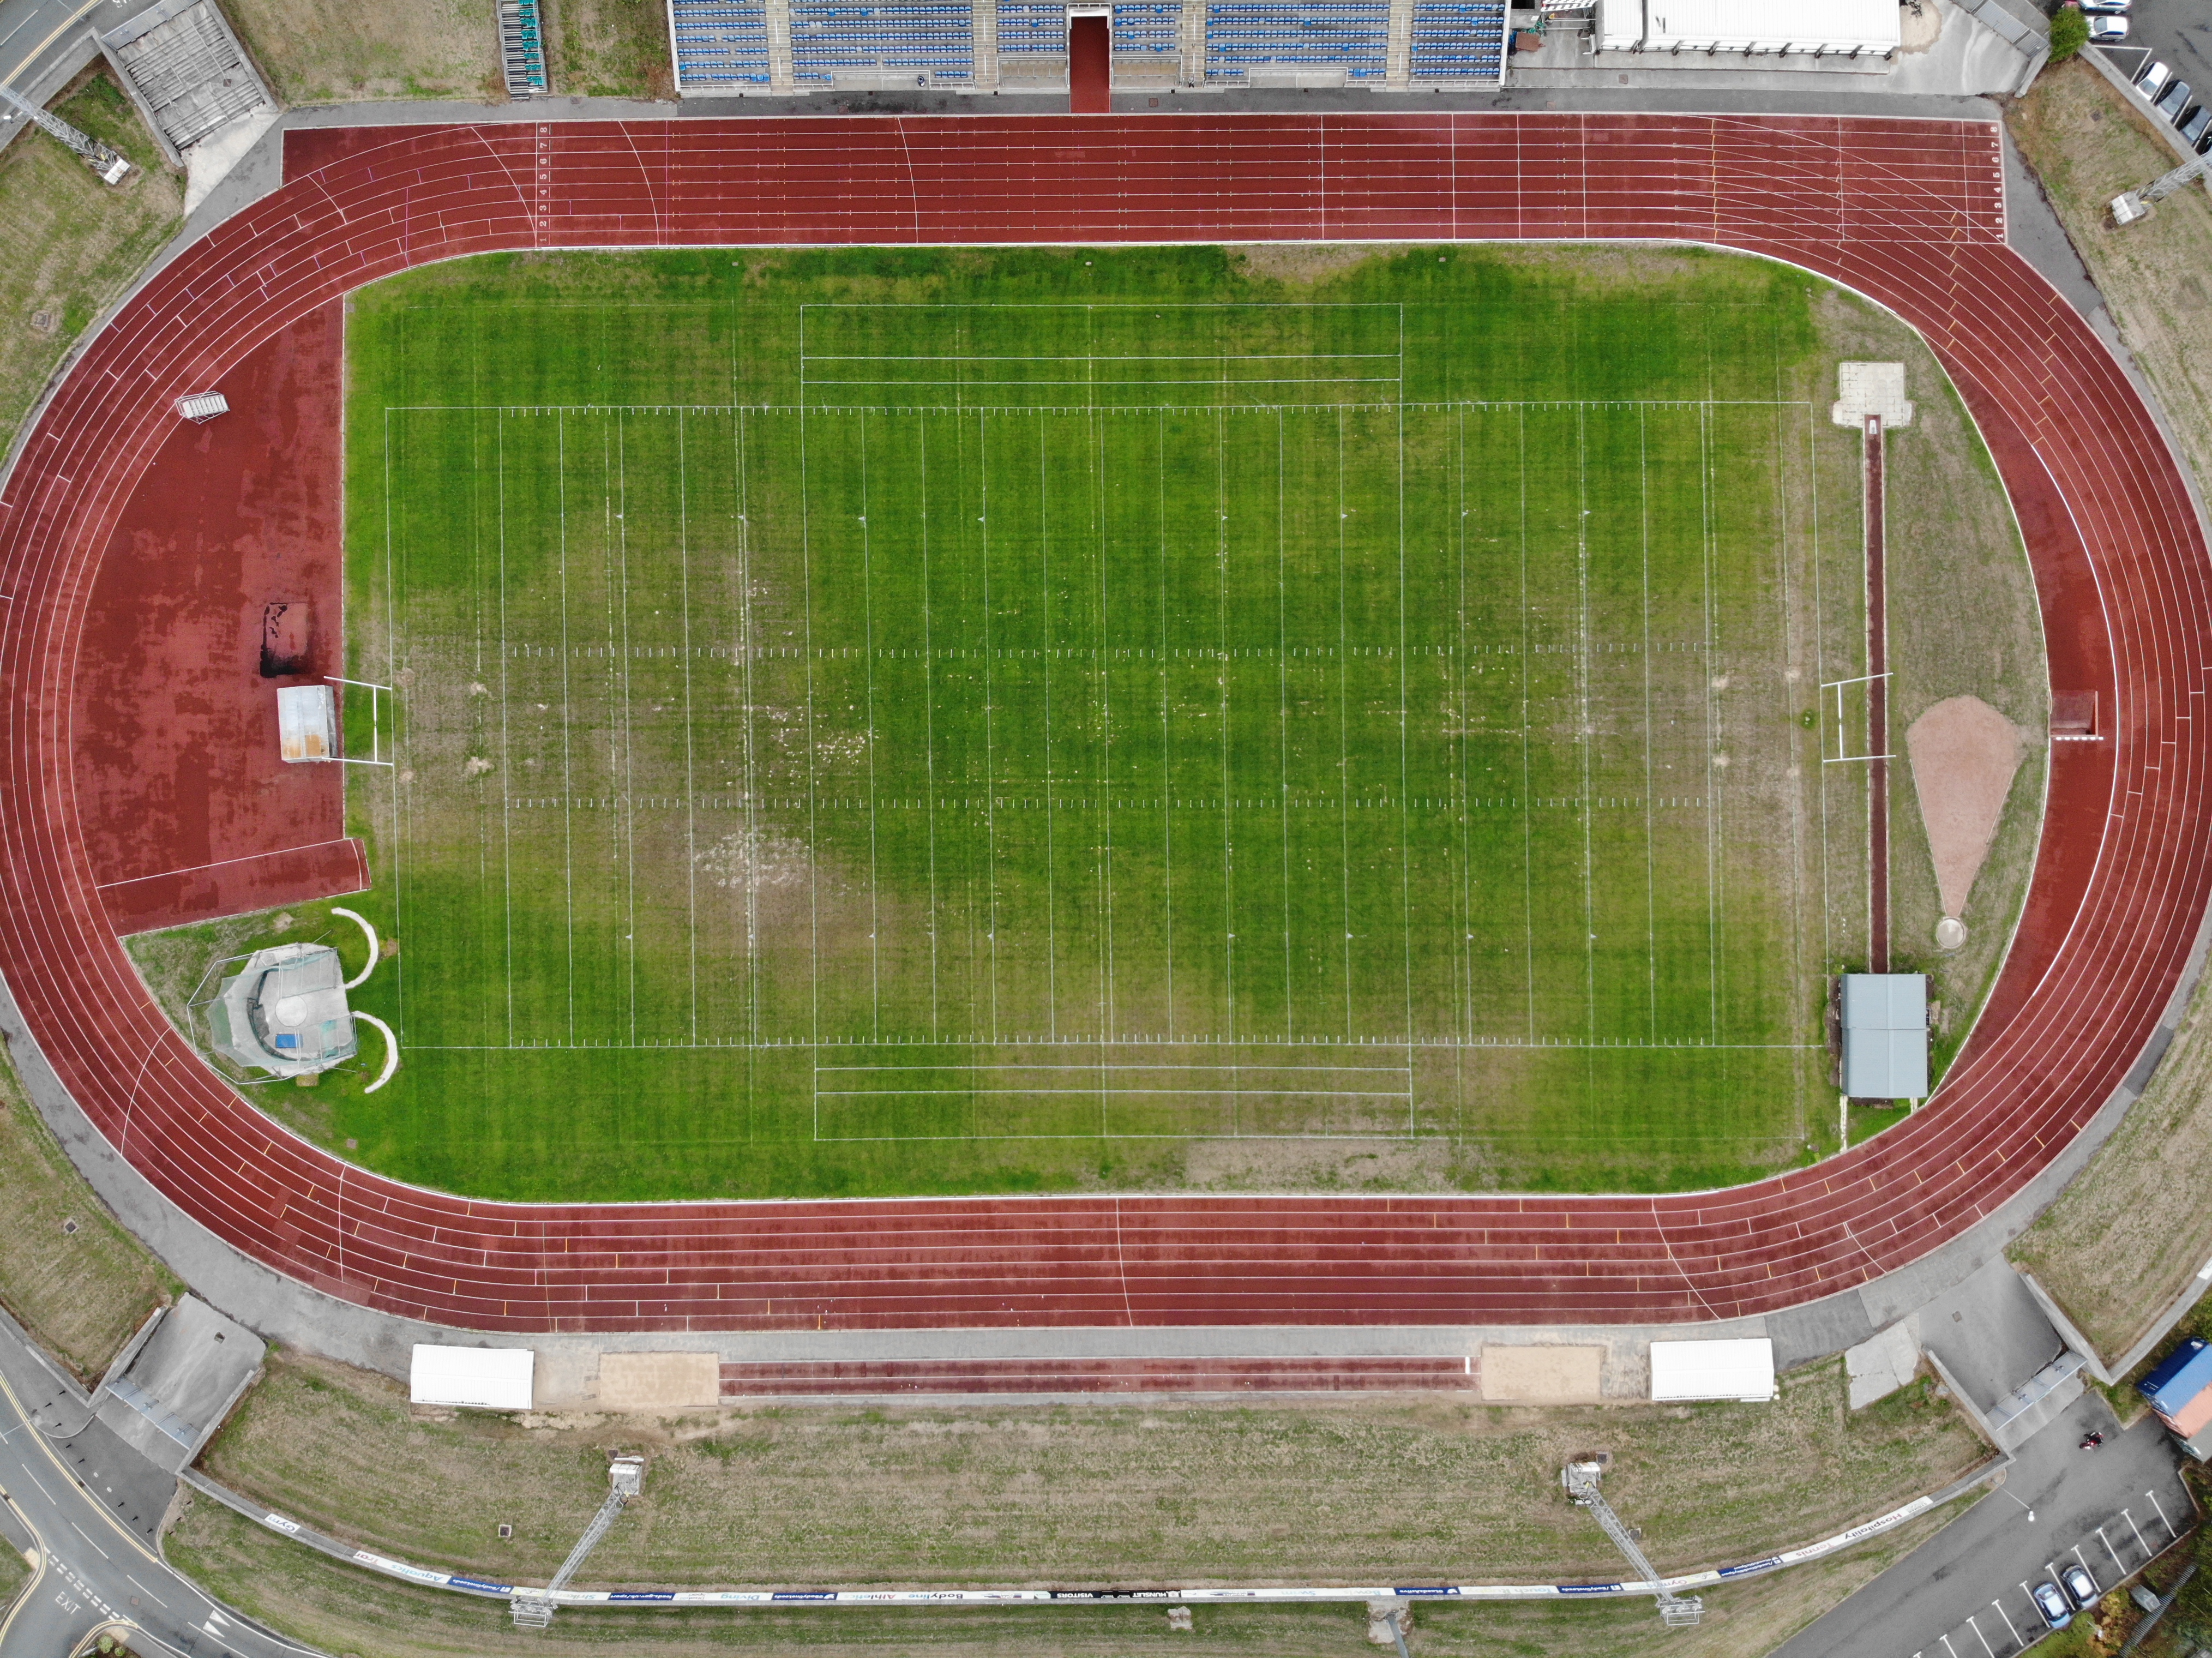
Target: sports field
934,721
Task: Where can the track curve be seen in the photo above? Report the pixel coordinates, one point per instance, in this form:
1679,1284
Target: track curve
1909,213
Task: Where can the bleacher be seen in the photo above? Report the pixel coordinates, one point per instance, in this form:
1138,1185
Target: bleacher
1027,28
722,43
1150,29
830,38
1242,35
729,46
1458,39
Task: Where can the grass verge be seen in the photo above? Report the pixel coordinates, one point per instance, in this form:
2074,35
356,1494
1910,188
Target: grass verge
1390,1491
2124,1239
613,48
70,243
348,1612
314,52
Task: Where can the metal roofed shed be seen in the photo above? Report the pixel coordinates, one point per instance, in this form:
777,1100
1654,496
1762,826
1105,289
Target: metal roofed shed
201,407
307,723
1740,1370
476,1378
2176,1383
1885,1019
1848,28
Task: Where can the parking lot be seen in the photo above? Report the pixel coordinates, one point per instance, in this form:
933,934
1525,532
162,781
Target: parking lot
2111,1551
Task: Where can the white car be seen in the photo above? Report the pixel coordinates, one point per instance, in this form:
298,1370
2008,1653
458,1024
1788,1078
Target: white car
2107,31
2151,83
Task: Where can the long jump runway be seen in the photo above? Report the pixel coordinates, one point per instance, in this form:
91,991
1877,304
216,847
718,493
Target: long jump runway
1909,213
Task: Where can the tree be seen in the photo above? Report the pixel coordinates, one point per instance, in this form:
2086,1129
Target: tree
2069,32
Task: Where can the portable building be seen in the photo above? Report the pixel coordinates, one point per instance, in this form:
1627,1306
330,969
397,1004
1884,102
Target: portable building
1713,1369
484,1378
1886,1036
1850,28
2179,1378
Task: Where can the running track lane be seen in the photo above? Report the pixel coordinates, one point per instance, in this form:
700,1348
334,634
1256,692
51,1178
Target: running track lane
1907,212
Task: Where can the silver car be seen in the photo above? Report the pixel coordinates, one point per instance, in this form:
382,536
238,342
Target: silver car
2081,1588
2052,1605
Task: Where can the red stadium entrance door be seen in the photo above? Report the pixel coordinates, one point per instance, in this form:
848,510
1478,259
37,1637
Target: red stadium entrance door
1090,59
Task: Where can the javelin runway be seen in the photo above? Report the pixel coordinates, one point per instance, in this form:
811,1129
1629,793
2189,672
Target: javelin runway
1909,213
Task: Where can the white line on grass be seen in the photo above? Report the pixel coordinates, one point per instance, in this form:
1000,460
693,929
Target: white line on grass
690,785
1528,844
990,783
1650,856
1167,748
813,838
929,725
1106,985
1713,773
1051,897
746,652
868,642
1228,802
568,763
1584,742
1283,703
629,818
1405,818
1343,733
506,751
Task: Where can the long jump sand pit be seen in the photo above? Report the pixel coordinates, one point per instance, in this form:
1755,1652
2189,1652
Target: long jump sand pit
1965,755
659,1381
1545,1375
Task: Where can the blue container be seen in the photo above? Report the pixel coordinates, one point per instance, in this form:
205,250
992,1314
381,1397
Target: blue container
2186,1373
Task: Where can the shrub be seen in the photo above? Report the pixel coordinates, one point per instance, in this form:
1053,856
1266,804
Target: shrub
2070,33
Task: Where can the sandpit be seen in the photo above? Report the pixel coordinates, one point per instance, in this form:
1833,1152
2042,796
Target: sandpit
1965,754
659,1381
1542,1376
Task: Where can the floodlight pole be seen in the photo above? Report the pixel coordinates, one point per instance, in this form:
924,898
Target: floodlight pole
1675,1611
533,1608
111,167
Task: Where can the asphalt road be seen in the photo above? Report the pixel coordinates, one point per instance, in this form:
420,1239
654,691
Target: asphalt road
1957,1594
88,1508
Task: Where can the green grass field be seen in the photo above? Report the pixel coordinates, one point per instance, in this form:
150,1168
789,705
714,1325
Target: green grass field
937,721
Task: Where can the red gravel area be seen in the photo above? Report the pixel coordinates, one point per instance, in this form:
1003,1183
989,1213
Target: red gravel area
1908,212
186,810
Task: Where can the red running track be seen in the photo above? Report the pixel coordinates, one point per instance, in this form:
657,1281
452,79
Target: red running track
1908,212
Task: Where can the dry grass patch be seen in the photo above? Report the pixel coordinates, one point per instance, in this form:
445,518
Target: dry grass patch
2123,1240
612,49
68,1271
342,1610
70,243
314,53
2087,145
1390,1489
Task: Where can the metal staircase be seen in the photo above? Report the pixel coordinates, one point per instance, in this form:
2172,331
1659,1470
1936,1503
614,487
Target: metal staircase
1675,1611
2135,204
533,1608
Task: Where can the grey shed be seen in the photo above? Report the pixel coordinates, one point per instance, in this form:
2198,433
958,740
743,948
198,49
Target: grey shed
1886,1036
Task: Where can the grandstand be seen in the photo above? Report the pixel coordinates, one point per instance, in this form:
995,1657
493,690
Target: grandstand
732,47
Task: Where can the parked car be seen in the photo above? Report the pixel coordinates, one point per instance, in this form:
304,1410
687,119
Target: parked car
2052,1605
2081,1588
2107,31
2204,144
2195,125
2174,102
2151,79
2106,8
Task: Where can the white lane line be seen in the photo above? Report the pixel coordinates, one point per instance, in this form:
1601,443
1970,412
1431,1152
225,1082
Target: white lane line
2010,1624
2137,1530
1982,1639
81,1532
144,1590
2119,1564
2169,1533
